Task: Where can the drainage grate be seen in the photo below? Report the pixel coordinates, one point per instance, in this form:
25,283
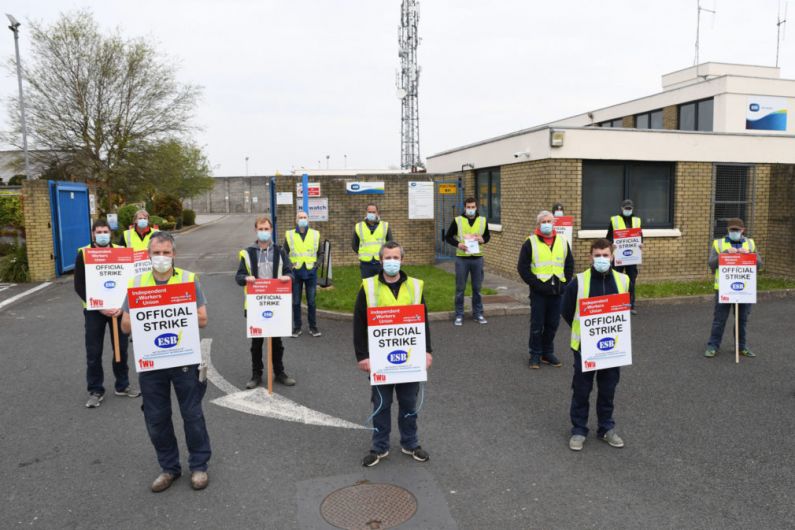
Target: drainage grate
366,506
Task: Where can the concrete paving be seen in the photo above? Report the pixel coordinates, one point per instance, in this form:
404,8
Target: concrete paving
708,442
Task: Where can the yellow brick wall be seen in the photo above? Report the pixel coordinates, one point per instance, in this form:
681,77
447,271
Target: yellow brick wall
779,252
38,229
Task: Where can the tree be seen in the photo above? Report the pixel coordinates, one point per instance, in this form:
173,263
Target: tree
91,99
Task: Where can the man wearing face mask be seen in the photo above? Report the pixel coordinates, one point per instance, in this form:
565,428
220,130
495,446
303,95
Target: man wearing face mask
188,386
368,238
302,244
599,280
265,259
546,266
390,288
469,226
733,243
95,324
137,237
621,222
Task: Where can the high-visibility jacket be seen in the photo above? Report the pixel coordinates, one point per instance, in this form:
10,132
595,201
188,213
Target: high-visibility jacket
464,229
81,249
379,294
721,245
147,279
370,243
583,289
133,241
548,262
243,254
303,251
618,222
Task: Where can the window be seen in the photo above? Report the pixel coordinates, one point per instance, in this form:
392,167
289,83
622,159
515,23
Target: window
696,115
650,185
618,122
487,193
649,120
732,197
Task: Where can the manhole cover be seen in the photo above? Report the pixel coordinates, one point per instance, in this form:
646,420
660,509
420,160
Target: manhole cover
368,506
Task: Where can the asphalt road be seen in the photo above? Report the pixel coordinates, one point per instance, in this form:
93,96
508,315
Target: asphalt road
708,443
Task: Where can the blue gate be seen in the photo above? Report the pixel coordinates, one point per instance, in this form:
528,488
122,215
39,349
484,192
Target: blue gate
71,222
448,203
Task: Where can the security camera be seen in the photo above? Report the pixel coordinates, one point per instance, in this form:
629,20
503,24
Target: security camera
522,154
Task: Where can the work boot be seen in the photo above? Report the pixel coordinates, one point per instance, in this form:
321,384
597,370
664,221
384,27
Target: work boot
163,482
199,480
256,380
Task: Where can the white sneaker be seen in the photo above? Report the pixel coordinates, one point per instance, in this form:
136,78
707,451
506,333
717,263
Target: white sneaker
459,321
576,442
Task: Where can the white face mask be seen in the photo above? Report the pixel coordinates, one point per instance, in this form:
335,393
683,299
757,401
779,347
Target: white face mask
161,263
558,213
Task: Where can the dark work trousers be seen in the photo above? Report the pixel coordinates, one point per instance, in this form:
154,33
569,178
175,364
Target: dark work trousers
369,268
306,278
581,385
156,392
719,318
632,272
277,353
381,396
96,323
474,268
544,321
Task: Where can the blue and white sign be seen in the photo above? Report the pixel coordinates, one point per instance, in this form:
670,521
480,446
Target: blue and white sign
765,113
364,188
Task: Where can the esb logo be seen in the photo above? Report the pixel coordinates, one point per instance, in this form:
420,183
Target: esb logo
737,286
110,284
628,252
267,314
397,357
167,340
754,107
355,187
606,344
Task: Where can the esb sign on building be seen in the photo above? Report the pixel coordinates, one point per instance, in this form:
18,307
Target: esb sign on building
396,339
165,326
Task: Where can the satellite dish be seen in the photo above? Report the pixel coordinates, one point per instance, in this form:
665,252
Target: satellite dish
401,93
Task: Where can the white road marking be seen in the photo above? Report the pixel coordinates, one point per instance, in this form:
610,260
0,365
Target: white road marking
259,403
23,294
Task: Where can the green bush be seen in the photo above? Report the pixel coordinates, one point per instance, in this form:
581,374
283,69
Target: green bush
11,213
126,214
167,206
156,220
14,266
167,225
188,217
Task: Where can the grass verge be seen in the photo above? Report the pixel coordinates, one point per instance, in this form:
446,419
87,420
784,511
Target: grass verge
669,289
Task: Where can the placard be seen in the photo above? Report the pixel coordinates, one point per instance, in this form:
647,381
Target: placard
396,339
627,242
314,190
142,262
113,221
284,198
108,270
269,308
564,226
737,278
364,188
165,326
473,247
605,332
318,209
420,200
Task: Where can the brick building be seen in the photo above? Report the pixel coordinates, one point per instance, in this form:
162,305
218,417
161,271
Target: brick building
716,143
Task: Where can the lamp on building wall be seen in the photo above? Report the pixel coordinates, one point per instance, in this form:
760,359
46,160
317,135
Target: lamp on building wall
556,138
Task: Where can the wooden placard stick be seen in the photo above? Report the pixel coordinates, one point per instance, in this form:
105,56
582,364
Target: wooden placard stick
270,366
116,350
737,333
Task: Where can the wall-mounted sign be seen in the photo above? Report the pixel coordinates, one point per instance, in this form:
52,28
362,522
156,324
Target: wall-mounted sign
318,209
284,197
314,190
364,188
766,114
420,200
447,189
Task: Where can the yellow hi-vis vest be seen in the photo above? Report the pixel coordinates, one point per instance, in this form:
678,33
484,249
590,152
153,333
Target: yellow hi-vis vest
464,229
81,249
133,241
243,254
583,288
548,262
303,251
721,245
618,222
379,294
147,279
370,244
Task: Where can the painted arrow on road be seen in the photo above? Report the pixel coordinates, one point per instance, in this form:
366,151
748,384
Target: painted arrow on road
258,402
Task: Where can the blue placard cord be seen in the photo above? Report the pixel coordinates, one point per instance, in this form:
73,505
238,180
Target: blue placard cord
376,411
422,399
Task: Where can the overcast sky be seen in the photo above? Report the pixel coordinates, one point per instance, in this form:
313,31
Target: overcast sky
288,82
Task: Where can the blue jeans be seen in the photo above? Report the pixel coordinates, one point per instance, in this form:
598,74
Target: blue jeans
307,278
407,417
464,267
544,321
96,323
156,392
369,268
581,385
632,272
719,322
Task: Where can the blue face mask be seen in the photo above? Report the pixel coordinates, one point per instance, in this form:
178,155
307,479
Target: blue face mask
601,264
471,212
143,223
558,213
391,267
102,239
371,217
627,213
264,235
735,235
303,223
546,228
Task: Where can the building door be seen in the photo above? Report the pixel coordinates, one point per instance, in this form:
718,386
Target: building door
733,197
448,198
71,222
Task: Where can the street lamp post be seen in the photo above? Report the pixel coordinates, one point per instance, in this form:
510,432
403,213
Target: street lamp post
15,28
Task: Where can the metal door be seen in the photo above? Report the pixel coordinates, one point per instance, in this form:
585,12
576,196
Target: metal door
448,199
71,222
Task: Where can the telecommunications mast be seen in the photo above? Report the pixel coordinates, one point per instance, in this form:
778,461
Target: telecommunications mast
407,85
